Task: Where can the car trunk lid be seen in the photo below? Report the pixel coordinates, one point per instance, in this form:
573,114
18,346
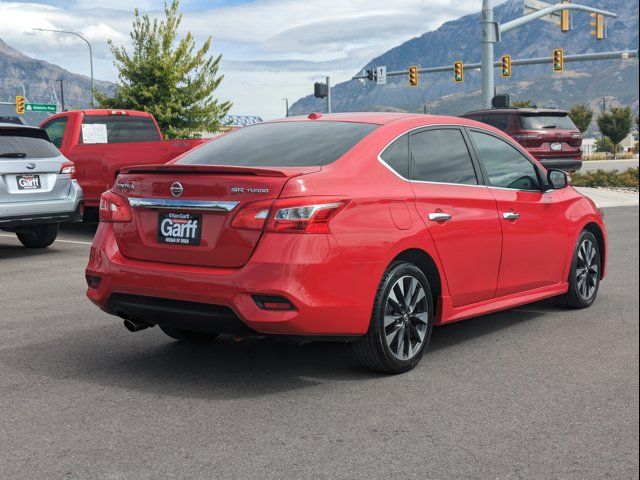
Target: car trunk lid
182,214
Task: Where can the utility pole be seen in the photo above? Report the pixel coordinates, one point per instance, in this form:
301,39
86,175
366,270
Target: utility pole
489,37
328,94
492,33
62,95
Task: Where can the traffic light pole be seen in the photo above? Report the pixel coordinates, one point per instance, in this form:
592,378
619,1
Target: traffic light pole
492,32
582,57
328,94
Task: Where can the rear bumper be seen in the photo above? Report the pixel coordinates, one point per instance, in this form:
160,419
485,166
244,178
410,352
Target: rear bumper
330,298
566,164
19,214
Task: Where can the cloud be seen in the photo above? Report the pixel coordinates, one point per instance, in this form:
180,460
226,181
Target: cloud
271,48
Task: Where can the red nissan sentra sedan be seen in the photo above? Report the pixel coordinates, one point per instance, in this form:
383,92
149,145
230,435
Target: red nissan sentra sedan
370,228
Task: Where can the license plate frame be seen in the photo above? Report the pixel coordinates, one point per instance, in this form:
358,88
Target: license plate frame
29,182
179,228
556,146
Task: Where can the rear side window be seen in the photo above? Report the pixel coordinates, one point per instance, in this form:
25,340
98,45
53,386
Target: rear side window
547,122
25,143
281,144
498,121
118,129
396,156
441,156
505,165
55,129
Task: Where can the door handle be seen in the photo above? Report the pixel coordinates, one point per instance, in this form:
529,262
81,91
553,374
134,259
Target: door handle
511,215
439,217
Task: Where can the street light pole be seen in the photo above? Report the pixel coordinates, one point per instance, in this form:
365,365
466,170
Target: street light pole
93,102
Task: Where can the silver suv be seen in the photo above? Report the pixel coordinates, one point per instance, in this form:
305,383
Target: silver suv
37,186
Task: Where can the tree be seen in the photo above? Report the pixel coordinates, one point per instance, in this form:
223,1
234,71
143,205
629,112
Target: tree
168,77
522,103
604,145
615,125
581,116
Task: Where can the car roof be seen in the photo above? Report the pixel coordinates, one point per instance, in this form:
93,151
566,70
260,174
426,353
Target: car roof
379,118
517,110
18,125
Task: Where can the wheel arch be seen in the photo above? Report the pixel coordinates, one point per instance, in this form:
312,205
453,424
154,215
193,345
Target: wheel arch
597,232
426,263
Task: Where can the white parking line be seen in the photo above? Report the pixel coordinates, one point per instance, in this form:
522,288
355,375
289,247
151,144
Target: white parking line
76,242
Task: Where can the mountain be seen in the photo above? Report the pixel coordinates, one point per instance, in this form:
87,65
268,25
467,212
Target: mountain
587,82
38,82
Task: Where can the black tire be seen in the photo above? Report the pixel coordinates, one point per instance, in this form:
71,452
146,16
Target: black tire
38,236
589,270
188,335
374,350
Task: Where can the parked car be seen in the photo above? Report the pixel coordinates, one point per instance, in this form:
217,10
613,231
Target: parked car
102,142
370,228
38,190
548,134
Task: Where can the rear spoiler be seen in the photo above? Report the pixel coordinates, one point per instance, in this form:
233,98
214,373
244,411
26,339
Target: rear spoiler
222,169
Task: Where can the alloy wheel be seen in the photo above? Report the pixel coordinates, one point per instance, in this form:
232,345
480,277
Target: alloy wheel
587,269
406,318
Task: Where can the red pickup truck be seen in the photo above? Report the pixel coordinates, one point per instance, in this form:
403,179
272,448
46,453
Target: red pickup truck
101,142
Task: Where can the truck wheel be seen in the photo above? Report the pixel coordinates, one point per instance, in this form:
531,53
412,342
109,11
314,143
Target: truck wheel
38,236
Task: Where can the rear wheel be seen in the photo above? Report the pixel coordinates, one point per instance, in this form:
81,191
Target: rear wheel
584,277
401,323
38,236
188,335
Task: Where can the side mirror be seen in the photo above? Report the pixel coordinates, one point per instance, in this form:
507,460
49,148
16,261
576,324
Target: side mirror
558,179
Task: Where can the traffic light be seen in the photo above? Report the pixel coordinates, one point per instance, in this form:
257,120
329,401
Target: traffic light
19,104
558,60
413,76
505,66
565,20
371,75
601,30
458,72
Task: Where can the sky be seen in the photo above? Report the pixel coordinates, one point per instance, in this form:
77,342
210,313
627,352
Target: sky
272,49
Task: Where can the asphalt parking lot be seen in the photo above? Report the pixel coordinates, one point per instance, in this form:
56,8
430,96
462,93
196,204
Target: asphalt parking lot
538,392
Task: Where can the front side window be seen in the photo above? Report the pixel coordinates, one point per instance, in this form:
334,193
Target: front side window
281,144
118,129
396,156
441,156
55,129
505,165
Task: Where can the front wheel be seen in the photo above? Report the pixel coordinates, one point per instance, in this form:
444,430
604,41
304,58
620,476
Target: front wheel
401,322
584,277
38,236
188,335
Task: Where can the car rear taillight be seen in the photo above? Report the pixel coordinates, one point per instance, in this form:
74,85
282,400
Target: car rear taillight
114,208
68,168
253,216
526,136
292,215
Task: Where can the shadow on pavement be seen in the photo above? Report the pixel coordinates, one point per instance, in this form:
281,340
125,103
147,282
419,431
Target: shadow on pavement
152,363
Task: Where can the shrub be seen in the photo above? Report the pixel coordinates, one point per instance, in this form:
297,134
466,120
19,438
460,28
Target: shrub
607,179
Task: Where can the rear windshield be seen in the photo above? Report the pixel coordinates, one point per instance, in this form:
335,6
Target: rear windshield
25,143
547,122
118,129
284,144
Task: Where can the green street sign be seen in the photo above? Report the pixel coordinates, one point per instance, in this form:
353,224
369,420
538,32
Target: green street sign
40,107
